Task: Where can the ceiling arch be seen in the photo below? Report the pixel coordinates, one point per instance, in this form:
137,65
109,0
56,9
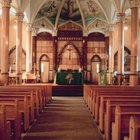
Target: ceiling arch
85,13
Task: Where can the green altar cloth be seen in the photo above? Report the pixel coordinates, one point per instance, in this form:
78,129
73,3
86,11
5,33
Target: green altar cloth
63,78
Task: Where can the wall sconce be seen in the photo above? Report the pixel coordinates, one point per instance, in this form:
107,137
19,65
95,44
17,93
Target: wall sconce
125,24
15,26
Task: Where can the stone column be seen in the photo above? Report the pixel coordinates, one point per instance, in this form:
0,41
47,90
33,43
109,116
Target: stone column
134,43
28,49
19,46
120,47
5,41
111,53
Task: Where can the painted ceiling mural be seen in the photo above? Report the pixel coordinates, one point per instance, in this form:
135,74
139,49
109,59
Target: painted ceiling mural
49,10
71,10
91,11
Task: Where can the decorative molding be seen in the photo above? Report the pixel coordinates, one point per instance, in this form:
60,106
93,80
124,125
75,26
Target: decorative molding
70,25
6,3
134,3
44,36
20,17
111,28
29,27
70,33
120,17
96,37
98,24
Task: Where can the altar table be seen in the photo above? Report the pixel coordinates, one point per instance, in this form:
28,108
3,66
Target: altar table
74,78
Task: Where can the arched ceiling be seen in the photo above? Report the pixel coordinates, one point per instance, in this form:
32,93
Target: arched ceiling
88,14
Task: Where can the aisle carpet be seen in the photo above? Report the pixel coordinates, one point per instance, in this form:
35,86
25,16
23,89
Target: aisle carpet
65,118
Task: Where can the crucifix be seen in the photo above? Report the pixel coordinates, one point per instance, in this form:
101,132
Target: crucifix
69,49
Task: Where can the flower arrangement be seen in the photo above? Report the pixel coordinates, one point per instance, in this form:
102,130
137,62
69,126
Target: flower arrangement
69,77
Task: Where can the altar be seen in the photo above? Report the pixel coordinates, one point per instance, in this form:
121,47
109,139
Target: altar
73,78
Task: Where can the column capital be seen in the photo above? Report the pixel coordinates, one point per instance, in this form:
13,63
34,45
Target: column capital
85,31
120,17
134,3
29,27
111,28
34,31
54,33
6,3
19,16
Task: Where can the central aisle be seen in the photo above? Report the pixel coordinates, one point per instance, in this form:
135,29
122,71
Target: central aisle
65,118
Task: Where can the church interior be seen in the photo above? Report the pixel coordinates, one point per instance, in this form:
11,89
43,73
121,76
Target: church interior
69,69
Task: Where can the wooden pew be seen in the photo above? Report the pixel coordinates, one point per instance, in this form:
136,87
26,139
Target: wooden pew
91,90
134,128
20,91
30,98
86,93
24,107
39,93
23,90
13,115
4,126
114,100
110,93
35,91
108,89
109,116
120,127
126,138
46,90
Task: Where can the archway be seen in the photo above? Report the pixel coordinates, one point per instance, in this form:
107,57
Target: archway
69,58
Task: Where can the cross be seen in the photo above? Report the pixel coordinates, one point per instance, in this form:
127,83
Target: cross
69,49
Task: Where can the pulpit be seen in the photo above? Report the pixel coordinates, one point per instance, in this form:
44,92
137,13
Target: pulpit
66,77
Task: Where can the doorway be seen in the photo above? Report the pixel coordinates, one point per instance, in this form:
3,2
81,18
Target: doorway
95,68
44,68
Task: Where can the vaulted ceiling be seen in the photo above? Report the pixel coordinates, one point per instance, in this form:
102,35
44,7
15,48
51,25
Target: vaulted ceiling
90,15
